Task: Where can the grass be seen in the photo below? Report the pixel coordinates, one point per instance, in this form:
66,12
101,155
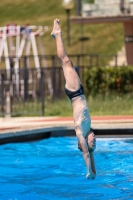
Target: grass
58,108
111,105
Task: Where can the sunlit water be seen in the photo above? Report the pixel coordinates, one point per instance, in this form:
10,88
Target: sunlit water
54,169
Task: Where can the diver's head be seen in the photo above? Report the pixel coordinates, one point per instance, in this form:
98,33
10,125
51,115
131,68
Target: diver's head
90,140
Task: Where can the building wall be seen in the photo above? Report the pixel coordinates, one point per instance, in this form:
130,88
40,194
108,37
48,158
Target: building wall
107,8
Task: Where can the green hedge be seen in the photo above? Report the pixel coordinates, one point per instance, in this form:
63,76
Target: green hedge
88,1
105,80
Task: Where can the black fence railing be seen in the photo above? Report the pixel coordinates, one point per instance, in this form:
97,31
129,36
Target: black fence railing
24,91
28,89
77,59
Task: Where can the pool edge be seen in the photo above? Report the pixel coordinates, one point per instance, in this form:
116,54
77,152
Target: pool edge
11,136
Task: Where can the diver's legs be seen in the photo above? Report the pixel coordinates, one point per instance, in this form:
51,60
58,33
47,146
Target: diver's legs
71,76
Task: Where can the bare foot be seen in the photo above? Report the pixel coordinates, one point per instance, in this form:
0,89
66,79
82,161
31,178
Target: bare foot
56,28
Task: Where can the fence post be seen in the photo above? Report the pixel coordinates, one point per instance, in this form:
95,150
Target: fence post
8,105
97,57
78,60
25,79
2,94
60,82
116,60
42,92
91,60
53,76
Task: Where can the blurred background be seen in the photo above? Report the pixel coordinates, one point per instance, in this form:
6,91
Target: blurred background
98,38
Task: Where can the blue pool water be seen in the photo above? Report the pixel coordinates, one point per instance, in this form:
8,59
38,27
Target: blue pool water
54,169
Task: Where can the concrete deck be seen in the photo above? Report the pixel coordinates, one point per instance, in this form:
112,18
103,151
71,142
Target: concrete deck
32,128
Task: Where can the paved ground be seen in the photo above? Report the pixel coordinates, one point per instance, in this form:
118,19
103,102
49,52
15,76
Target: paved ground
29,123
103,125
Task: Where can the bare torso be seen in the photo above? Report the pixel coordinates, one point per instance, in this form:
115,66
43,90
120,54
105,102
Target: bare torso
81,114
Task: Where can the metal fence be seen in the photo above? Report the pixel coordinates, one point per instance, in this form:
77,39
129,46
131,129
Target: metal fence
24,91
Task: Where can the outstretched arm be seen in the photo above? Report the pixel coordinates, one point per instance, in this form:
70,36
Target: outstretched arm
88,157
91,141
92,163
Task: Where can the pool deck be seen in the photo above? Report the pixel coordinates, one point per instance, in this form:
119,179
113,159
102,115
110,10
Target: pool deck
32,128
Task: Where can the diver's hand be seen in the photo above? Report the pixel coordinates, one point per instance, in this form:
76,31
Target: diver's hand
90,176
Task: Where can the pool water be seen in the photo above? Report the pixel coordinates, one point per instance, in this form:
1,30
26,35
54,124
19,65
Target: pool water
54,169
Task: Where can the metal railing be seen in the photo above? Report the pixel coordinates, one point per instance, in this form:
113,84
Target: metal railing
24,91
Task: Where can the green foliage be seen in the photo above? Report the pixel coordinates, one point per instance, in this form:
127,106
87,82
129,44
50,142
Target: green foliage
105,80
88,1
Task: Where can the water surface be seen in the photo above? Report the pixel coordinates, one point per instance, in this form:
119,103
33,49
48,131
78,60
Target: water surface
54,169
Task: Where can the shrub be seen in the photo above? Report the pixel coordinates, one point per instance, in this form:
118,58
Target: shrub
104,80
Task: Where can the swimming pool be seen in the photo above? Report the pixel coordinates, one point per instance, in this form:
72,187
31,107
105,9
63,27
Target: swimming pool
54,169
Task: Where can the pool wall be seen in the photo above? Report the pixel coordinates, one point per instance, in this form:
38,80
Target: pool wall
41,133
